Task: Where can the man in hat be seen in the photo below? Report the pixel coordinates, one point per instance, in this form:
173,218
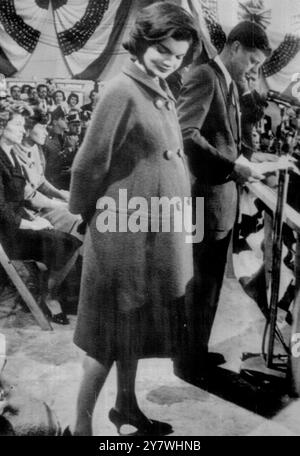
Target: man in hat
74,134
73,140
210,121
54,149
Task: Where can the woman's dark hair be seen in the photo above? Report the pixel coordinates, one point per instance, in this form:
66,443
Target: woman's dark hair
59,91
158,22
73,95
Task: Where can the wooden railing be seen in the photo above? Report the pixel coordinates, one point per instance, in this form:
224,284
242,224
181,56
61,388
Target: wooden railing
269,197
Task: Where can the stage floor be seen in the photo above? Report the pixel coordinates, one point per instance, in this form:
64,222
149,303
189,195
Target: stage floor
48,365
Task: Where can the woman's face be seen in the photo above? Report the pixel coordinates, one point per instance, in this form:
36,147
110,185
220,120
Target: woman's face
59,98
14,130
165,57
73,101
39,134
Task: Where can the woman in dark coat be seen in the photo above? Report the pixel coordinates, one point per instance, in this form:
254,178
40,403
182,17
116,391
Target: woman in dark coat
134,276
23,236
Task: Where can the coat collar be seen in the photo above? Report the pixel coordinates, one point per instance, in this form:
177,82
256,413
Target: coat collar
221,77
4,158
224,70
133,71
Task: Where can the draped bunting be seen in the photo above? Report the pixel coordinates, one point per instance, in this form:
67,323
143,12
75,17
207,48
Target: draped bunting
71,39
20,28
88,33
97,66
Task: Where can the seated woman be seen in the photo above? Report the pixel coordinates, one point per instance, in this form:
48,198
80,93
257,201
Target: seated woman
24,236
41,196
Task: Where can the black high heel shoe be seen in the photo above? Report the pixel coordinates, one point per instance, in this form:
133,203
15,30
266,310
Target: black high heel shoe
67,432
144,426
59,318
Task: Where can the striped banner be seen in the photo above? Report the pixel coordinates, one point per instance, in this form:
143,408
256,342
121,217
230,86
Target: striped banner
21,23
88,32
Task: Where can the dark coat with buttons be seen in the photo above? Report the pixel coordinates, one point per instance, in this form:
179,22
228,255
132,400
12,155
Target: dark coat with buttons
132,282
211,141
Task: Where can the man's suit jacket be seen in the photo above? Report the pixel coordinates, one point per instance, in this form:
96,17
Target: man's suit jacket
211,139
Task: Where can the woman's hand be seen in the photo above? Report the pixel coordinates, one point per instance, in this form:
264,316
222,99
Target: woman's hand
39,223
65,195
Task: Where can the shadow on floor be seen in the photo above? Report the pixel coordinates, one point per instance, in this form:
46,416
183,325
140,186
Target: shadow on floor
260,393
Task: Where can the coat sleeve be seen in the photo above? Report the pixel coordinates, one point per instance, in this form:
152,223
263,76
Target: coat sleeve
194,104
106,133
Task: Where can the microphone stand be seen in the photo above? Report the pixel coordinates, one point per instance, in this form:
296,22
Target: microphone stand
283,180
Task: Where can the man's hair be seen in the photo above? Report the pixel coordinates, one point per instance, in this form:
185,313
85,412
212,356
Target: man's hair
156,23
251,36
40,86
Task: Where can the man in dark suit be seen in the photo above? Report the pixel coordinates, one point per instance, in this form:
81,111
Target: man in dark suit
209,115
55,151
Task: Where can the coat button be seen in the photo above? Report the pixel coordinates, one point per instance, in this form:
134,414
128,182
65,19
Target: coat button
159,103
168,154
168,105
180,152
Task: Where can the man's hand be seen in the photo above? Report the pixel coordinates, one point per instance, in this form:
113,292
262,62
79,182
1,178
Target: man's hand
243,173
39,223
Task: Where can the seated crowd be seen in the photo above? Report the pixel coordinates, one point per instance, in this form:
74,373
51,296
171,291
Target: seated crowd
48,97
40,133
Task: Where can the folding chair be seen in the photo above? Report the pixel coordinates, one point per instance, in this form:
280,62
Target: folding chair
23,291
